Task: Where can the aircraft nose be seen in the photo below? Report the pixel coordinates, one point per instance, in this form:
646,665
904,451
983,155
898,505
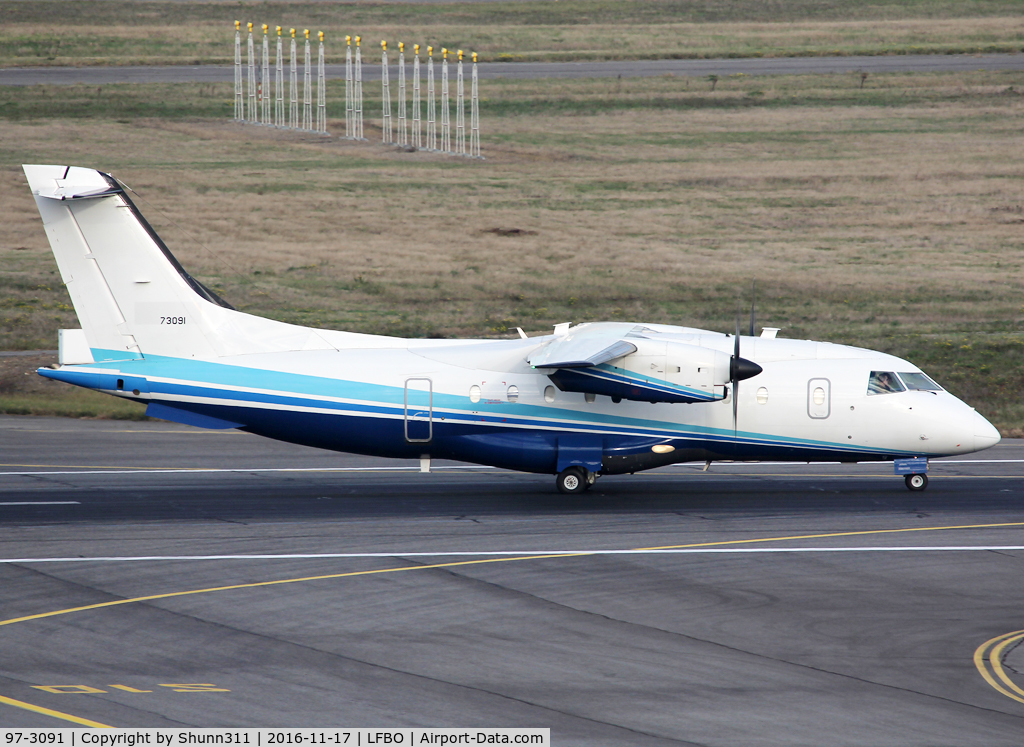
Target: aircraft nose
985,434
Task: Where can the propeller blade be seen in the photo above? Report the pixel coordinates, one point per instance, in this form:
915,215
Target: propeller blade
735,405
753,302
739,369
734,374
736,342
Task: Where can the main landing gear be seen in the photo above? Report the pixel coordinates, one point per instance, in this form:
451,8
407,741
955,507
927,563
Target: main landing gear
916,482
575,480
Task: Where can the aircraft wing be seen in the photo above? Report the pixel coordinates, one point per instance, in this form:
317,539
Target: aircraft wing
585,347
622,361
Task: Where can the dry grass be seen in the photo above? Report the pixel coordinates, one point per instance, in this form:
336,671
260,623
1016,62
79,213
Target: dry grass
108,32
888,217
22,392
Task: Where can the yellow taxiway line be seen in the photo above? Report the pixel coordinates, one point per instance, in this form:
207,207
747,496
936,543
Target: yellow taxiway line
454,564
988,658
56,714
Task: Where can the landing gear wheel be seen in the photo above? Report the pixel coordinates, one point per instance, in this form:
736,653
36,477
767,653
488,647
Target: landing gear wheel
572,480
916,482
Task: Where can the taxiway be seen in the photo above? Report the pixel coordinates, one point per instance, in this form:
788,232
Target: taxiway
157,575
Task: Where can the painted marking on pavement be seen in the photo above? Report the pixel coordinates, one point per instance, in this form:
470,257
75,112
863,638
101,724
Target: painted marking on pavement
455,564
508,553
53,713
77,469
988,658
480,561
41,503
74,469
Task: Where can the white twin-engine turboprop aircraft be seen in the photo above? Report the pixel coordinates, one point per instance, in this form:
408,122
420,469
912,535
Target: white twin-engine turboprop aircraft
595,399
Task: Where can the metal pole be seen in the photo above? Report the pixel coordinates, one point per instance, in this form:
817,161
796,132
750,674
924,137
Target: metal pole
431,114
253,113
239,100
359,90
279,85
402,137
460,112
474,117
349,110
385,134
416,140
446,117
321,91
293,102
265,79
307,90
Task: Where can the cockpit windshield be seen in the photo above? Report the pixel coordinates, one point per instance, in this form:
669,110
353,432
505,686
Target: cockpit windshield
919,382
884,382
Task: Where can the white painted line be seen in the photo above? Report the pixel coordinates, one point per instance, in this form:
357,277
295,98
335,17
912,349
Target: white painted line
525,553
84,470
977,461
201,470
888,464
453,468
41,503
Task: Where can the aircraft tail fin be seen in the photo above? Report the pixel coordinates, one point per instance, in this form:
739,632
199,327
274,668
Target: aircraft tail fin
131,295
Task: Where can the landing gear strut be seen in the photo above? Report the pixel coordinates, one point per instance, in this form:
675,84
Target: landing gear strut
916,482
574,480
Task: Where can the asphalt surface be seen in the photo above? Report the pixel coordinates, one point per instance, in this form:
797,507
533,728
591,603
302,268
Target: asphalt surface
515,70
391,612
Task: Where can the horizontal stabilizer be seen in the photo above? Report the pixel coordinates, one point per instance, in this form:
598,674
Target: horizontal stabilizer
70,182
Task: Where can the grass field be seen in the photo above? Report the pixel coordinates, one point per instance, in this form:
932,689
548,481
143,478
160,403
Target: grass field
885,212
106,32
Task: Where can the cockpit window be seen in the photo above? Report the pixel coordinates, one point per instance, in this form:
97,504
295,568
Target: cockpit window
884,382
919,382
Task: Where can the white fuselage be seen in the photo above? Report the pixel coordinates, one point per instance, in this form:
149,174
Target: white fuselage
595,398
480,401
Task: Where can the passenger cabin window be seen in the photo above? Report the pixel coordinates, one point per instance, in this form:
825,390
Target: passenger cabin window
884,382
919,382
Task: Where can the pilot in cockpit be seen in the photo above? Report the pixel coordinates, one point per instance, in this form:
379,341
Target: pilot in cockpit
884,382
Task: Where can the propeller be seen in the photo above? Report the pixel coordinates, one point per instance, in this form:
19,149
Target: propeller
740,368
753,302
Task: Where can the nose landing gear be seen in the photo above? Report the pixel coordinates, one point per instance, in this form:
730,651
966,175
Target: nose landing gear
916,481
914,471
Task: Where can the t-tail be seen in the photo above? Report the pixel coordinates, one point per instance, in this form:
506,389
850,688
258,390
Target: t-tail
132,297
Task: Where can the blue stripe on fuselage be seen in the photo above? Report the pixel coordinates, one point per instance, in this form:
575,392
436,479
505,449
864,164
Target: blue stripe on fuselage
267,411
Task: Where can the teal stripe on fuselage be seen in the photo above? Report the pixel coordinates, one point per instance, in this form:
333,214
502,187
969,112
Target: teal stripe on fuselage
204,376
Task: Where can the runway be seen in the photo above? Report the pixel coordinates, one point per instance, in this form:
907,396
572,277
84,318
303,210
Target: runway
156,575
516,70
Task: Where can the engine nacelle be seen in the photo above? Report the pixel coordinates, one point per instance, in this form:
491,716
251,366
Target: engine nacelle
656,372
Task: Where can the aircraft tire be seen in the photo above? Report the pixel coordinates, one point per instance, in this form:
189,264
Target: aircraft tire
572,480
916,482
